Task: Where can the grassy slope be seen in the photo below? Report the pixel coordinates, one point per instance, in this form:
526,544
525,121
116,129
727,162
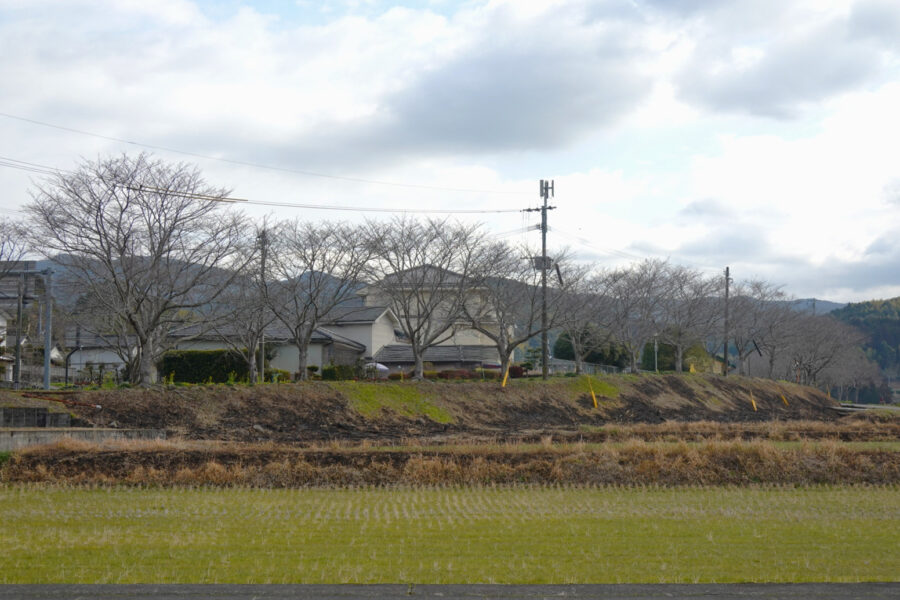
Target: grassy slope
503,535
346,410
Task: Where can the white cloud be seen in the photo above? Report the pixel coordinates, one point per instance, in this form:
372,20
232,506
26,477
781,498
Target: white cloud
654,117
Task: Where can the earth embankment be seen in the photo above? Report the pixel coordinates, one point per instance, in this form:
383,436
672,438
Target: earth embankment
525,409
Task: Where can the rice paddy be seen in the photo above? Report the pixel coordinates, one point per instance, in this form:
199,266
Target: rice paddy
504,534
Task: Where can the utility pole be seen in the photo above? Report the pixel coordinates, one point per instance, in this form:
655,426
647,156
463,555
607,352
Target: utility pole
725,349
48,337
263,251
547,192
17,366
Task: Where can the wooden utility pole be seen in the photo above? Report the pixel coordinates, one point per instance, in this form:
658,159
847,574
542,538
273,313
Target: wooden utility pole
263,252
48,330
17,366
725,349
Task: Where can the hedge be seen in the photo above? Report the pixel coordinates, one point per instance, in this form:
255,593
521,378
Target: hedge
202,366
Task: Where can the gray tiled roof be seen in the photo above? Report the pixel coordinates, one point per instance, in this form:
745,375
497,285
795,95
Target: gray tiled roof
402,354
354,314
274,333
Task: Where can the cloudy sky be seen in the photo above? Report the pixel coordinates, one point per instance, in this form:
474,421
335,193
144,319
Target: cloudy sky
759,134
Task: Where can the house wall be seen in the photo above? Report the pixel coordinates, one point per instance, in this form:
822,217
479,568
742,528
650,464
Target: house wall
361,333
463,336
382,334
287,357
373,335
203,345
95,356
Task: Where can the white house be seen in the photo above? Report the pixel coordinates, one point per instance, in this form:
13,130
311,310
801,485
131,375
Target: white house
350,335
461,347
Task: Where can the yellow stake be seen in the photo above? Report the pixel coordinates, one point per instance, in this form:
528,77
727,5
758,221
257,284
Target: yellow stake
785,400
505,376
592,391
752,401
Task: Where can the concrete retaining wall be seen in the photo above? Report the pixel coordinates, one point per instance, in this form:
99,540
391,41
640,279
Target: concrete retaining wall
18,416
13,439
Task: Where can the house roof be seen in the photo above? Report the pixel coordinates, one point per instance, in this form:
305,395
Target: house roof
429,274
346,315
402,354
274,333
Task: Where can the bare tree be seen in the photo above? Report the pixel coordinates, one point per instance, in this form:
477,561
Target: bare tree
851,371
148,242
751,311
818,343
314,269
587,313
240,319
775,331
13,245
422,270
506,305
688,310
637,294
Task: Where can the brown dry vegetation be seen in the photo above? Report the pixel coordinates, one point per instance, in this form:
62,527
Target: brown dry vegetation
527,409
631,463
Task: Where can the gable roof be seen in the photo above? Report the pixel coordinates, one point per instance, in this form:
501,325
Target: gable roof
274,333
347,315
423,273
402,354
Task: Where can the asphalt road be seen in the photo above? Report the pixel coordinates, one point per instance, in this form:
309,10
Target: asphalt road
818,591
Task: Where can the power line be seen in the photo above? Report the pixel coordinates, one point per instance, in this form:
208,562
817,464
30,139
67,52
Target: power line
45,170
259,165
622,254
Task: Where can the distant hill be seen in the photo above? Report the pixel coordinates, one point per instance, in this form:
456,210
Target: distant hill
819,307
880,321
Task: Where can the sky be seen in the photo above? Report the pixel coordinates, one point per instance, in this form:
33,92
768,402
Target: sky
762,135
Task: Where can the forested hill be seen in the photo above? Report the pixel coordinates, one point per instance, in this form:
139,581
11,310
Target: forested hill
880,321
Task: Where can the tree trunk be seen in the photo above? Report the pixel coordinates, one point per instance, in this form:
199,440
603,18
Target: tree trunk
504,364
303,358
579,361
419,369
251,365
679,358
148,374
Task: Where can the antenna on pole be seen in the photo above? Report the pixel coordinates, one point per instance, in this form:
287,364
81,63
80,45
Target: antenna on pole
547,190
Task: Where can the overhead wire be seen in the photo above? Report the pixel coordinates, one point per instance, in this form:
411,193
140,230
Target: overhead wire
628,255
260,165
45,170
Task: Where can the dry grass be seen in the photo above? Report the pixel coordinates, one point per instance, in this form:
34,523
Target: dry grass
848,429
633,462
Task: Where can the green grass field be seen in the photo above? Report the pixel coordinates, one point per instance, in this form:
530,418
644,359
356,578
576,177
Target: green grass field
452,535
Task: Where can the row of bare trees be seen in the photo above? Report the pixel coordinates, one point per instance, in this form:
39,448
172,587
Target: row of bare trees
147,250
768,334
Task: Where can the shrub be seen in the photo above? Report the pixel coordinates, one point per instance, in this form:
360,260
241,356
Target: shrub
430,374
456,374
279,375
201,366
338,372
515,371
395,376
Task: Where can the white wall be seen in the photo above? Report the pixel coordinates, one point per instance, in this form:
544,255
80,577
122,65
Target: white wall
96,356
287,357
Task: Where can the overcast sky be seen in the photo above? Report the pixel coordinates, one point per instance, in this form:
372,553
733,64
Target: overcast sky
759,134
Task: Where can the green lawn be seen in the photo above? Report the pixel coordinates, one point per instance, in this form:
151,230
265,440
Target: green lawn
502,535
